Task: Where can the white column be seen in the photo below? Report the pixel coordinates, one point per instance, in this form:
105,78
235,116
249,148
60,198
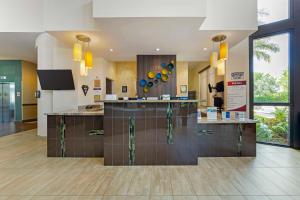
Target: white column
46,45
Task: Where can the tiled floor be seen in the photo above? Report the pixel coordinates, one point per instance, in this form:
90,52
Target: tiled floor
7,128
26,173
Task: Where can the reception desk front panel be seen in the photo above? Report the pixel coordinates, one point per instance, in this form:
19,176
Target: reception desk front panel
150,133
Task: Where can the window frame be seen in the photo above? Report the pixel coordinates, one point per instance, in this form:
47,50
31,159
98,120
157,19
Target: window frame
268,30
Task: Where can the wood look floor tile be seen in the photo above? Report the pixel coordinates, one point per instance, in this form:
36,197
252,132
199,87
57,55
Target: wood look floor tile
185,197
141,182
121,181
209,198
180,182
161,198
27,173
161,181
256,197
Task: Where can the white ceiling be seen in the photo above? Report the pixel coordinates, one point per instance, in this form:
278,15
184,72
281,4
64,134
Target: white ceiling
18,46
131,36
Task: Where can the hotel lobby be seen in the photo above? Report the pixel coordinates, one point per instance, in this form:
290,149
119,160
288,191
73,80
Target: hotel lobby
149,100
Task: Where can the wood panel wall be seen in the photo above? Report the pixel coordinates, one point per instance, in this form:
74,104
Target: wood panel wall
146,63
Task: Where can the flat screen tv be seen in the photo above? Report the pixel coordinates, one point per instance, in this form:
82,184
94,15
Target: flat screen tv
56,79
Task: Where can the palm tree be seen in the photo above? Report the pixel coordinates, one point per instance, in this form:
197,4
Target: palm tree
263,47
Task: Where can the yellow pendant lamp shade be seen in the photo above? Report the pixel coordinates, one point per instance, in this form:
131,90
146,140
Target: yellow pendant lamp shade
83,69
77,52
221,68
88,60
214,59
223,51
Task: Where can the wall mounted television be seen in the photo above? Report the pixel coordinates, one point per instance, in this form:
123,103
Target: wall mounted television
56,79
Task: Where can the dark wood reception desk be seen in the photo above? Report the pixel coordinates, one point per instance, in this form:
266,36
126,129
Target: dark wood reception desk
150,133
75,134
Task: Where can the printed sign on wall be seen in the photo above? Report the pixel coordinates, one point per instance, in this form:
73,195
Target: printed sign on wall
237,76
237,96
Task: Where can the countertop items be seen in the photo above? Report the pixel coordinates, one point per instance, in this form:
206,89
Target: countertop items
226,121
150,101
78,112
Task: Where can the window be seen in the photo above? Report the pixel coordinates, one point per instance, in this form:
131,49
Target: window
271,91
271,69
270,11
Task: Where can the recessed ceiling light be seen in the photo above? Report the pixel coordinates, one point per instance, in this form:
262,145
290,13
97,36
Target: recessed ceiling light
204,49
157,49
111,50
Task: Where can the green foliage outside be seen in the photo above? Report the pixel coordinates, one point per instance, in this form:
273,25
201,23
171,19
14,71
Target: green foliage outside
268,88
275,129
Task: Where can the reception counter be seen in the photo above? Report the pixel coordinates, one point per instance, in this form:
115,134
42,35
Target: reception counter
148,133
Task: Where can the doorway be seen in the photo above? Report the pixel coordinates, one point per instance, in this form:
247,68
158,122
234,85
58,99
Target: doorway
7,102
108,86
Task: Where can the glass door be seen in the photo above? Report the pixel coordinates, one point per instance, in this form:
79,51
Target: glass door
271,88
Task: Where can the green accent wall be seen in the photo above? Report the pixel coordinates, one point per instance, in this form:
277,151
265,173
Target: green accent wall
12,69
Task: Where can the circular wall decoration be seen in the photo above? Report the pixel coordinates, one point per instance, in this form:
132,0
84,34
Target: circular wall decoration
164,72
151,75
155,78
158,75
143,82
170,66
150,84
146,89
164,78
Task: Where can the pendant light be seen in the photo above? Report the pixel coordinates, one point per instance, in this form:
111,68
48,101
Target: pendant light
79,45
223,50
88,57
77,52
214,59
221,68
83,69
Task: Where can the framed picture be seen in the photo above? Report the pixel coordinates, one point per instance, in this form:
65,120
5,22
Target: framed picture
124,89
183,89
97,84
97,98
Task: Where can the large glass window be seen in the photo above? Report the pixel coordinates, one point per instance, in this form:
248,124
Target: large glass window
271,69
270,11
271,88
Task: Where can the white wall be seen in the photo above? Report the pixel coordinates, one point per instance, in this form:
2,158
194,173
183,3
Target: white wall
101,70
21,16
62,59
231,15
45,47
238,61
54,55
146,8
79,15
68,15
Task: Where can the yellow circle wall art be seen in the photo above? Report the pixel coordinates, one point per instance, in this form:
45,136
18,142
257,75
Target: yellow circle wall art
164,72
151,75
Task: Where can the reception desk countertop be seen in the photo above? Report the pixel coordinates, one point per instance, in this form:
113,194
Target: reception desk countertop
79,113
226,121
150,101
